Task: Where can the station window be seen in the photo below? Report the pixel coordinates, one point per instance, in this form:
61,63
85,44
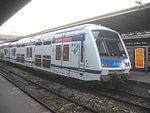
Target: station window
148,53
58,52
66,53
38,60
46,61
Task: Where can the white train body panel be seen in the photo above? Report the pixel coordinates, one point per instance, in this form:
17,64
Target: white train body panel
73,52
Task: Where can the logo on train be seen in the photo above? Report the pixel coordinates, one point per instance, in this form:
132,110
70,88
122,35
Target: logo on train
75,48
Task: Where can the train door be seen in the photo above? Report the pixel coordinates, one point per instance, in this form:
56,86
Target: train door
82,55
77,60
65,55
65,61
29,56
77,55
57,55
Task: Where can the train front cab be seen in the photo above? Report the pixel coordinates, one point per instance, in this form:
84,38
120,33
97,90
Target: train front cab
114,58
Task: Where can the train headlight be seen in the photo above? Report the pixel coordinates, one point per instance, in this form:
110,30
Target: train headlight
105,65
127,63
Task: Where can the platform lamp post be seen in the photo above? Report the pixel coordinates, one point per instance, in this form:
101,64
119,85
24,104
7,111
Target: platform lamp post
139,2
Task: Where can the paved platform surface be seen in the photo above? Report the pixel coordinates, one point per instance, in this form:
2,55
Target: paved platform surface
140,76
13,100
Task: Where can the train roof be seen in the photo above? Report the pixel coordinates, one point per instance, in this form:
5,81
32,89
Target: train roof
80,27
46,36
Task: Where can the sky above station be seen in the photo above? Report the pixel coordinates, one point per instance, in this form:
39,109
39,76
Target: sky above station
40,15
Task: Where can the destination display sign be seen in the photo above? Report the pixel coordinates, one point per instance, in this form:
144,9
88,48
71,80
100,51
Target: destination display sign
137,42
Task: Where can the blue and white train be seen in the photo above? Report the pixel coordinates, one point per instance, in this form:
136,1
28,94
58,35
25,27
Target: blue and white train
86,52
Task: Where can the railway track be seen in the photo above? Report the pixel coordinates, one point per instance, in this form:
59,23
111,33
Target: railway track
53,101
124,97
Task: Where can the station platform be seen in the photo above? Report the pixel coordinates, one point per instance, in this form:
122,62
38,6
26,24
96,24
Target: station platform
139,83
13,100
140,77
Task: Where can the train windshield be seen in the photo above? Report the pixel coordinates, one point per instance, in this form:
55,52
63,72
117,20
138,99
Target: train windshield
109,44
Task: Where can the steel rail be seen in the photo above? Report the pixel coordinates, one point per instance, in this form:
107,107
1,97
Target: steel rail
77,103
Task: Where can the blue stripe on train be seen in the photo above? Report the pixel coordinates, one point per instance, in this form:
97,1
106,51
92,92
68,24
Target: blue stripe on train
78,69
112,63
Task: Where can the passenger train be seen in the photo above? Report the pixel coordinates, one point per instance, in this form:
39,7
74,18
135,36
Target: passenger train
87,52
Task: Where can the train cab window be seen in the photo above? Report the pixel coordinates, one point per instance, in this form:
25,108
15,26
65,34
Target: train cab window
66,53
109,44
38,60
46,61
101,47
58,52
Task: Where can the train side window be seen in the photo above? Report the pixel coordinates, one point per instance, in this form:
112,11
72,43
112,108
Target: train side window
18,57
1,55
30,52
47,43
58,52
38,43
14,52
101,47
82,48
27,52
5,51
22,58
66,52
46,61
38,60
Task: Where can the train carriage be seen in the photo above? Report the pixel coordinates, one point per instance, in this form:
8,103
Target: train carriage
2,51
87,52
13,52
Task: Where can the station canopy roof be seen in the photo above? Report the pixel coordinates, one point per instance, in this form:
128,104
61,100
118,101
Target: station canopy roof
9,7
124,21
135,19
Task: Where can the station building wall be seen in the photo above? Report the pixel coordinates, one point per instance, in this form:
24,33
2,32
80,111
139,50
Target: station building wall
134,43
